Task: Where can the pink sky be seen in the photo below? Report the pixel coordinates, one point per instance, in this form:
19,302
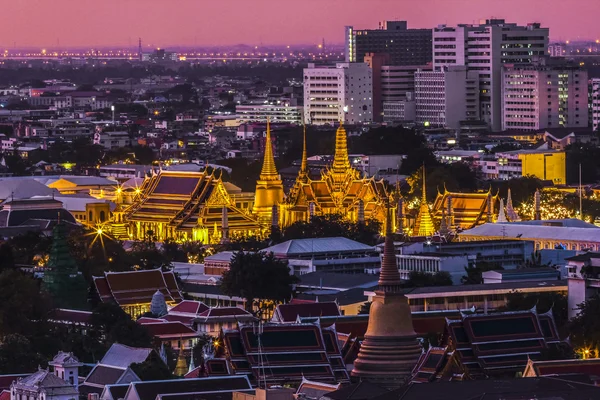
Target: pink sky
221,22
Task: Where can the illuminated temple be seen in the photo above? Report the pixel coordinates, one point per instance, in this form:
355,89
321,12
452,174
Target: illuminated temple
200,206
340,190
464,210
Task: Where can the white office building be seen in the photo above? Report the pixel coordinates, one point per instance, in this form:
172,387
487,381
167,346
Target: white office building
547,93
594,103
343,92
445,97
484,48
279,112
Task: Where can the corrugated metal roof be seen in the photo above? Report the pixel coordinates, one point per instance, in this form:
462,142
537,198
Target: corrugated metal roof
123,356
571,232
317,245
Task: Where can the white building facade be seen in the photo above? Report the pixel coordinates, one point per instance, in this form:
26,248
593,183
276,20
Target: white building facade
484,48
594,103
544,94
445,97
340,93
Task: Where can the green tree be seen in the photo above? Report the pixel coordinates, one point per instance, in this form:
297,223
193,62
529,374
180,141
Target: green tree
21,303
29,245
258,276
585,327
153,369
7,258
17,355
110,324
422,279
474,273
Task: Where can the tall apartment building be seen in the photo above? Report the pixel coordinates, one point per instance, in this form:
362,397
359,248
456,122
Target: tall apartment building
405,46
594,103
547,93
393,88
343,92
445,97
484,49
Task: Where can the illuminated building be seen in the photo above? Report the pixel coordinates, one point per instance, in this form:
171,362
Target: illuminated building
543,164
524,107
190,206
464,210
424,223
341,190
269,187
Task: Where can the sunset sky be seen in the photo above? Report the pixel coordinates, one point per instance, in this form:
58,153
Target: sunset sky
43,23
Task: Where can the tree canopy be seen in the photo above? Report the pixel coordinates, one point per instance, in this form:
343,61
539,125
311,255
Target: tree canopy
258,276
422,279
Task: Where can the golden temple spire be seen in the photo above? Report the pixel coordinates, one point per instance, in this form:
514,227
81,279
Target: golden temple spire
269,171
303,165
424,223
341,162
181,368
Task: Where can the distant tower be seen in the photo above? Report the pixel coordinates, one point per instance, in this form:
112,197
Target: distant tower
66,367
537,204
158,305
424,223
181,368
390,349
140,49
511,214
501,214
323,45
269,187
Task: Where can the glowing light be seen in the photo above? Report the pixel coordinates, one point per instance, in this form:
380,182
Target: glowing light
99,231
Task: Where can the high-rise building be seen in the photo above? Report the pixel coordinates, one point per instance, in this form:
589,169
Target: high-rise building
405,46
547,93
594,103
446,97
343,92
393,88
484,48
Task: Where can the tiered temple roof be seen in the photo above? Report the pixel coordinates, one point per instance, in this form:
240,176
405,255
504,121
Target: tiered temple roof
136,288
439,364
285,353
189,205
464,210
339,191
492,344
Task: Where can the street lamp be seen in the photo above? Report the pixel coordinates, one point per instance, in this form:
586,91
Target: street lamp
112,108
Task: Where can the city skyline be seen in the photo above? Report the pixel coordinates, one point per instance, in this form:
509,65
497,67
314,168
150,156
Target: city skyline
63,23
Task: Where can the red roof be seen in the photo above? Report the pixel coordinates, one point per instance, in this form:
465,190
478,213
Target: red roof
136,287
197,372
179,318
7,380
5,395
147,320
189,307
565,367
168,329
290,312
224,312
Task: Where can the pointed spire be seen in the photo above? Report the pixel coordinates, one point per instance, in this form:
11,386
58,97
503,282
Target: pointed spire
537,204
303,165
341,161
511,214
269,171
389,277
192,364
181,367
424,190
501,215
424,223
